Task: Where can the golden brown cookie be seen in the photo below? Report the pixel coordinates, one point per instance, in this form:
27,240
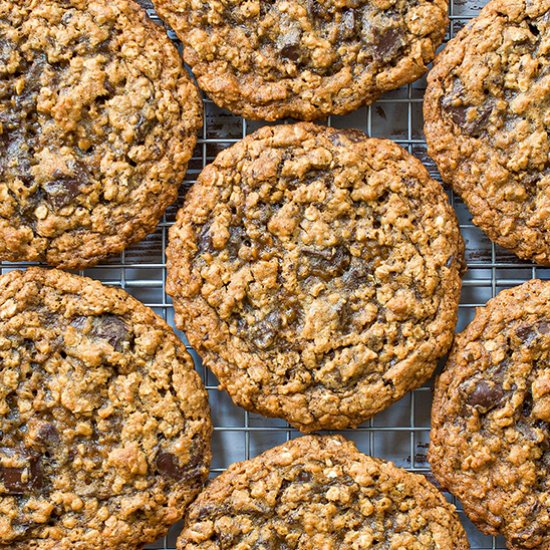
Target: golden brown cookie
490,441
321,492
487,121
317,272
304,58
97,122
104,424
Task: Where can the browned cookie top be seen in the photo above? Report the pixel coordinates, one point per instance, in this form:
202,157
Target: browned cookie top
305,58
104,424
97,123
491,417
321,493
487,112
317,272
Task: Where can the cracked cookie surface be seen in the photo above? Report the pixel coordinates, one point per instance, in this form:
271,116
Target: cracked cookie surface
97,122
490,440
320,492
317,272
302,58
104,424
487,120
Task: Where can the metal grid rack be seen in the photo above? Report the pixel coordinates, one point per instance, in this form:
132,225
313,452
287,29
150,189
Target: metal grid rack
401,433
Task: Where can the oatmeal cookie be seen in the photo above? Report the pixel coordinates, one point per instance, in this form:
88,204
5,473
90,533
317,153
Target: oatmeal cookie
97,122
490,442
317,272
321,492
104,424
487,120
304,58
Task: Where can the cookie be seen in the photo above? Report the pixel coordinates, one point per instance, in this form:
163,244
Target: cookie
320,492
97,122
303,58
317,272
104,424
486,123
490,443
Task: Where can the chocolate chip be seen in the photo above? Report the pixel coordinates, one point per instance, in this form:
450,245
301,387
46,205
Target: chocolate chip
387,43
327,263
486,396
168,465
62,191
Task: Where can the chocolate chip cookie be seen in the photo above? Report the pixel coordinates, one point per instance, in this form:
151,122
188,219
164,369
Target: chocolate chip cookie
486,111
491,417
317,272
97,122
104,424
303,58
321,492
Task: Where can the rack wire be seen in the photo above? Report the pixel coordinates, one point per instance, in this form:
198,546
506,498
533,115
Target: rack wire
401,433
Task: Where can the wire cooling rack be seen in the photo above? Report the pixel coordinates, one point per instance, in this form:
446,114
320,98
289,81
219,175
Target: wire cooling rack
401,433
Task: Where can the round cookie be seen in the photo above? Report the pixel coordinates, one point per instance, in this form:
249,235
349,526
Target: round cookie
487,120
97,122
490,441
304,59
320,492
317,272
104,423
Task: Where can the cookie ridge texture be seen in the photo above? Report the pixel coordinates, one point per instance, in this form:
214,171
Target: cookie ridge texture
317,273
98,119
490,439
486,123
302,58
320,492
104,423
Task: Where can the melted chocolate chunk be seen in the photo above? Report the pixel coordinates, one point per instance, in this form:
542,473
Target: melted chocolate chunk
264,333
460,115
289,39
486,396
355,136
304,476
204,241
48,434
62,192
24,480
106,327
326,263
291,51
347,26
388,44
112,329
168,465
529,333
